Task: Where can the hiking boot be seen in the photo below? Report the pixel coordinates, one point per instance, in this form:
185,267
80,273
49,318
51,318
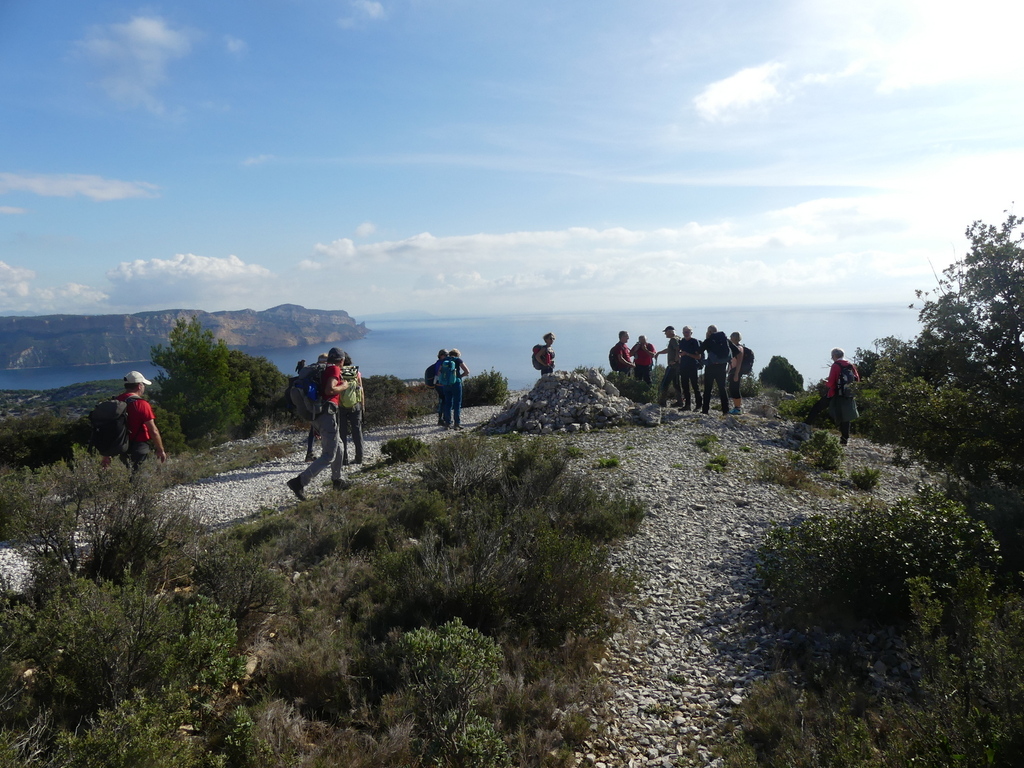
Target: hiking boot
296,485
735,411
677,404
341,484
310,457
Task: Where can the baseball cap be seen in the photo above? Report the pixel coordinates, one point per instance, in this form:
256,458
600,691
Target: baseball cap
668,328
134,377
335,353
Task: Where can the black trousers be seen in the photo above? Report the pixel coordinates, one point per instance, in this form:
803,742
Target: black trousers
715,374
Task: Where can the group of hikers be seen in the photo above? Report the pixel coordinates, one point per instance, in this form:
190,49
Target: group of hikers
330,394
724,361
722,358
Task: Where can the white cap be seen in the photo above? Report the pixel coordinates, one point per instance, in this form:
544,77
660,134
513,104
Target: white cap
134,377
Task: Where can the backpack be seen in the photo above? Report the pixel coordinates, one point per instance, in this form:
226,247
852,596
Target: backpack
615,359
109,422
847,377
718,345
533,359
430,374
448,373
304,391
747,366
351,395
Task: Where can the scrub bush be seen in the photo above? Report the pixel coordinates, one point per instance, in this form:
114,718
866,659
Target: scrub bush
856,565
487,388
780,374
403,449
823,450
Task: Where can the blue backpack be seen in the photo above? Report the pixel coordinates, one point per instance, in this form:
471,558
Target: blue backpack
448,373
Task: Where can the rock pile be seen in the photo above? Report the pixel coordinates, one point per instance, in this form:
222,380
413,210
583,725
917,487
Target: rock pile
566,401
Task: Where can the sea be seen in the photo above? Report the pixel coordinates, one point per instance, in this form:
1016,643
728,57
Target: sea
404,347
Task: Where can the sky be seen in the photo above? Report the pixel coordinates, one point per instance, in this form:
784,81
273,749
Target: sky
467,157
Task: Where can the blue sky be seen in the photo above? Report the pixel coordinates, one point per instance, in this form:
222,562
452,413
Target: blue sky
462,157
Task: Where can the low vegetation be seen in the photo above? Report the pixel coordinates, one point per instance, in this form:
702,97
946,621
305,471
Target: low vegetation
450,621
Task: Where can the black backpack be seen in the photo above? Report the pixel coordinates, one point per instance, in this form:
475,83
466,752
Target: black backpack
614,360
109,422
430,374
747,366
847,377
533,358
718,345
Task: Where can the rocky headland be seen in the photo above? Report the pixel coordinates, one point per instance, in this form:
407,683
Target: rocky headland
47,340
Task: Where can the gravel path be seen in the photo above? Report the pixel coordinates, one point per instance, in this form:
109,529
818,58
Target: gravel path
694,642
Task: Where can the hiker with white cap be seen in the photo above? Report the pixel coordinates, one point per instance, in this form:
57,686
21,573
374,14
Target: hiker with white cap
141,421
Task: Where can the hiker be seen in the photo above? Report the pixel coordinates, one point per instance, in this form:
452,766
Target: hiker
619,357
430,378
544,355
350,411
736,373
719,353
313,435
449,376
842,406
142,429
643,358
671,377
326,421
691,360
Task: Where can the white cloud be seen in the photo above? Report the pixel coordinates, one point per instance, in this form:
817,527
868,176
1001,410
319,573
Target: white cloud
188,279
257,160
8,210
14,281
71,185
366,229
363,11
748,89
133,58
235,46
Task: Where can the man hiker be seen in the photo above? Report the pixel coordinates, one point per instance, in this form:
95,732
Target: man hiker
326,422
671,377
620,356
690,361
142,429
643,356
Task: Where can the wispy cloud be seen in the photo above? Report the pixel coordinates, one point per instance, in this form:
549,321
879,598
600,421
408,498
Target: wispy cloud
235,46
9,210
72,185
133,58
366,229
739,94
257,160
363,11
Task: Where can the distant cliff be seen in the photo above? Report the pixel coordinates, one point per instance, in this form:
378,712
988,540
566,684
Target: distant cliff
50,340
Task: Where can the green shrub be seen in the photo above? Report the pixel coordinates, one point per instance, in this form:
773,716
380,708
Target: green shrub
448,671
487,388
823,450
780,374
786,471
865,478
857,564
403,449
387,401
39,439
98,645
607,462
799,409
718,463
750,387
636,390
236,580
706,442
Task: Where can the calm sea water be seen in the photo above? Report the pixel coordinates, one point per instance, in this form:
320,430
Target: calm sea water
403,348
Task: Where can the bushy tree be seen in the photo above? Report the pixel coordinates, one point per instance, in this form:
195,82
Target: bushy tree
781,374
955,395
198,382
266,384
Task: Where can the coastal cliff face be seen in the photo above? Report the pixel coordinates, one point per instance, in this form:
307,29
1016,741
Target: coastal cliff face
49,340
